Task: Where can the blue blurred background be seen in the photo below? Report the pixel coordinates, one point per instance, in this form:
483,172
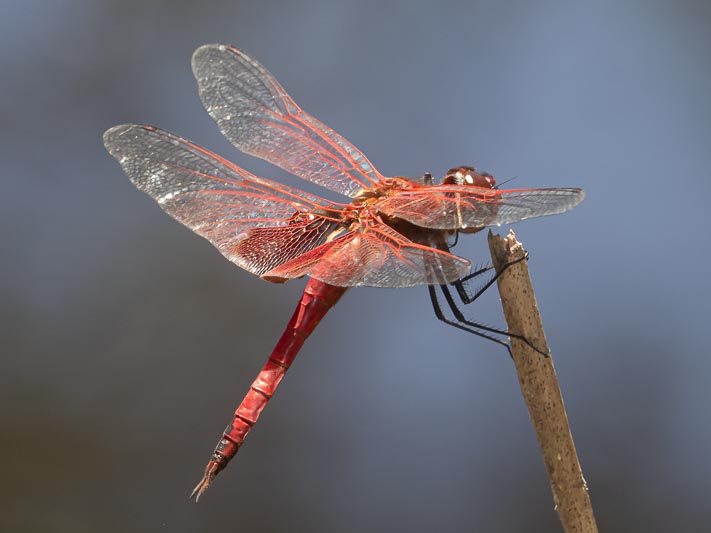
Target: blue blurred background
127,341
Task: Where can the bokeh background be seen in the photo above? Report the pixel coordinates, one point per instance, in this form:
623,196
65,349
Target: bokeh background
127,341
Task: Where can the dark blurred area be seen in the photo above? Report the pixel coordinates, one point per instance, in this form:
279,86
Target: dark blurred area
127,341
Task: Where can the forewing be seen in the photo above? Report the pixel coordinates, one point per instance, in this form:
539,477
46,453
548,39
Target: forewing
256,223
376,256
464,206
259,118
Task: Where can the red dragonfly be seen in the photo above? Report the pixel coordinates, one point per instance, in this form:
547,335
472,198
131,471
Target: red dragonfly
393,232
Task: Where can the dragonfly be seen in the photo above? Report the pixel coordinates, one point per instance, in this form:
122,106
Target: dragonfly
390,231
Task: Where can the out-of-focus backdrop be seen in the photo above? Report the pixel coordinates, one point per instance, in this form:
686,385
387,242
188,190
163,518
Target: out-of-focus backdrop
127,341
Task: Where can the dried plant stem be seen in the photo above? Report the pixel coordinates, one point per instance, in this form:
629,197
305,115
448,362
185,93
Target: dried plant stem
539,386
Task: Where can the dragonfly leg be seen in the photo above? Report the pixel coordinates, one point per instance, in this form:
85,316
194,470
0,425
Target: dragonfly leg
460,283
463,323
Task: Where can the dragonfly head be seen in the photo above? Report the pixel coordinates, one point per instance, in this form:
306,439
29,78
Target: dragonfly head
469,176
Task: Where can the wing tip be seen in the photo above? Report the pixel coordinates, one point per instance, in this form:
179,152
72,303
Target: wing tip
113,134
197,60
571,197
115,131
200,51
578,196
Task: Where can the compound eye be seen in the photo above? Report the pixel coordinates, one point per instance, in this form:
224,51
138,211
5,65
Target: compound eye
469,176
490,181
458,176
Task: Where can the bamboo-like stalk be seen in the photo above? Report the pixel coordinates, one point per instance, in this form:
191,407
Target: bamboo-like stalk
539,386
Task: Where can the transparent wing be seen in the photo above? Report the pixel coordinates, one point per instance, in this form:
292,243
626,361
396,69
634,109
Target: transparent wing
375,256
256,223
259,118
466,206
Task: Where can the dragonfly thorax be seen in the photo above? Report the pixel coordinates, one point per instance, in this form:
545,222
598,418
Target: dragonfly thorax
388,187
